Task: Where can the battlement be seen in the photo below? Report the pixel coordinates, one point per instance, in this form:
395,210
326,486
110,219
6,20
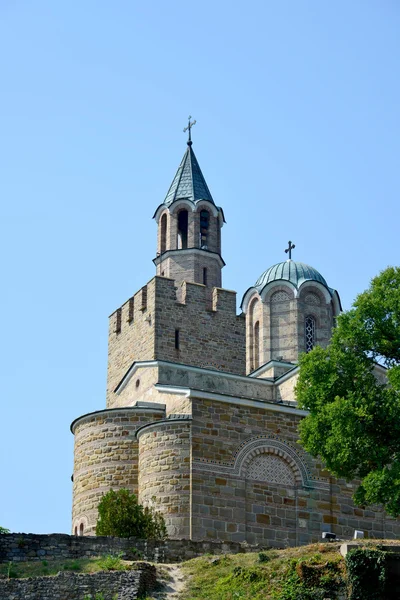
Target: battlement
179,324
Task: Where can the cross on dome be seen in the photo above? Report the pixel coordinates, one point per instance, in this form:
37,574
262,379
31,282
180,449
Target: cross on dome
291,246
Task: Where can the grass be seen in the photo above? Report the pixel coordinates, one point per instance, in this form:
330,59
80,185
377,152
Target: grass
306,573
52,567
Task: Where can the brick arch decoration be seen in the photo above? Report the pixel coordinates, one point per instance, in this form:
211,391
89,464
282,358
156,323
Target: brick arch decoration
272,465
272,444
272,448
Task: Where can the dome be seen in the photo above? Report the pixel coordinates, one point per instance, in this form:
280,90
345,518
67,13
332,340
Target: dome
290,270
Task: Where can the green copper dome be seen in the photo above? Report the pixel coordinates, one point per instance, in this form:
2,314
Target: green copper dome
290,270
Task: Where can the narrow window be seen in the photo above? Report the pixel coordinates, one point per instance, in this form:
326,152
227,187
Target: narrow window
205,276
309,333
182,229
163,245
176,339
256,345
76,531
204,225
81,529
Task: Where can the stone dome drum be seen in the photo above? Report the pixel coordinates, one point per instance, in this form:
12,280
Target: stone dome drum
292,271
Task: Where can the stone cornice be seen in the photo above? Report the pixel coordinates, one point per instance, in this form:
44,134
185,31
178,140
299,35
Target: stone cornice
229,399
163,363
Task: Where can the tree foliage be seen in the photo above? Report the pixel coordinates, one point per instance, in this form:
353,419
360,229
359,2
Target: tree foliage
120,515
4,530
354,420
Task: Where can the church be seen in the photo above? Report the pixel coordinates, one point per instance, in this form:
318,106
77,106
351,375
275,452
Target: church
201,418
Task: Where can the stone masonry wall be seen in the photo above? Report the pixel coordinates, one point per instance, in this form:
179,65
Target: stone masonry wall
164,473
105,457
125,585
188,266
25,547
252,482
207,338
131,335
210,332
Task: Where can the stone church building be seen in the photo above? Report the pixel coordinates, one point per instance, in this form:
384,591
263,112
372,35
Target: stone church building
201,418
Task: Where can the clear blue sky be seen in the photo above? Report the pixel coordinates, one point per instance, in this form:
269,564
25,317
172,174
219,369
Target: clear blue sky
297,134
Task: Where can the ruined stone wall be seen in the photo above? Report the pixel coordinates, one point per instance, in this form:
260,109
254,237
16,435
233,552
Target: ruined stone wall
126,585
251,481
26,547
164,473
105,457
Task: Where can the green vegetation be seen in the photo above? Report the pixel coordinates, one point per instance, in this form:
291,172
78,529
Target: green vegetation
307,573
366,573
354,420
4,530
108,562
120,515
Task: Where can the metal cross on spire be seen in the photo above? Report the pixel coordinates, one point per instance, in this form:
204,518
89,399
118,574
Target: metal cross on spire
189,128
291,246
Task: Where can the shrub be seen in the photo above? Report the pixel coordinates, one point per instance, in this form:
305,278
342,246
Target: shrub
366,573
120,515
112,562
4,530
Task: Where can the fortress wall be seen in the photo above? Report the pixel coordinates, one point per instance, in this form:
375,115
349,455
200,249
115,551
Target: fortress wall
131,336
164,473
207,338
105,457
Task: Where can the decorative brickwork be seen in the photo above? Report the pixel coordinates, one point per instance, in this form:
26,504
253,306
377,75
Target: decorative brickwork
272,469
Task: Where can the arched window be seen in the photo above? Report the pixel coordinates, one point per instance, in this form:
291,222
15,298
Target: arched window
163,245
204,225
182,230
76,531
81,529
256,342
309,333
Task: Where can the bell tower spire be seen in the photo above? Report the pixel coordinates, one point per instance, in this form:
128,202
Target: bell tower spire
189,226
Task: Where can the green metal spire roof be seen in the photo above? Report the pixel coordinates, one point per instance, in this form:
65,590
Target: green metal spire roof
290,270
189,182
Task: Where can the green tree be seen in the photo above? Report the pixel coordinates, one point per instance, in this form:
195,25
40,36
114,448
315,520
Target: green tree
4,530
120,515
354,417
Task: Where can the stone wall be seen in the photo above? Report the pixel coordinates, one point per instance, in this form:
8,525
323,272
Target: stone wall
164,473
105,457
144,329
21,547
130,336
251,481
125,585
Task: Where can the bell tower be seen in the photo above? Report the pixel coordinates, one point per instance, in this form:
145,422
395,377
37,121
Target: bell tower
189,227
